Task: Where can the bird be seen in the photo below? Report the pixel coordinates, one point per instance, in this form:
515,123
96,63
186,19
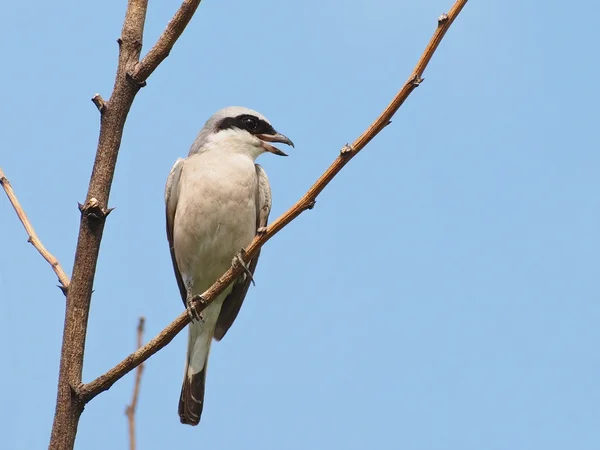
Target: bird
217,200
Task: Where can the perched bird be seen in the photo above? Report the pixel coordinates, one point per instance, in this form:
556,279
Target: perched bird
217,199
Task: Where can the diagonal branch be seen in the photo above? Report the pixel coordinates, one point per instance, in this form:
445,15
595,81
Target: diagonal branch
165,42
88,391
131,408
33,238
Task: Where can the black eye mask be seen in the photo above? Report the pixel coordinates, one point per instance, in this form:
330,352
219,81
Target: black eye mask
247,122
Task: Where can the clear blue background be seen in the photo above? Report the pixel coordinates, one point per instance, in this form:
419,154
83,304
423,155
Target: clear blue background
444,292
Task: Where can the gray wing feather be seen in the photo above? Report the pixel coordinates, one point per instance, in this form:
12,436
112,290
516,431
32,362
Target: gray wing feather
233,302
171,198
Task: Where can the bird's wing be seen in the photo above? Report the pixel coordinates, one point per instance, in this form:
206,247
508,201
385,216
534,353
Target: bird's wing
233,302
171,198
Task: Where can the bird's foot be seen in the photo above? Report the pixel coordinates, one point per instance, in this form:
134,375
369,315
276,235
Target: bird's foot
239,260
195,316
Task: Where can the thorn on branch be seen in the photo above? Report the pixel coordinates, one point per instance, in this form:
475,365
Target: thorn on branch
261,231
93,210
119,41
416,81
99,102
346,150
442,19
65,290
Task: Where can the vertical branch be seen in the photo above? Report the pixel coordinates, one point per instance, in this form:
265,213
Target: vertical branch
94,211
132,407
93,215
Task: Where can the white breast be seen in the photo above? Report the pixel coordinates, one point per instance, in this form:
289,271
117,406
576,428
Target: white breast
215,217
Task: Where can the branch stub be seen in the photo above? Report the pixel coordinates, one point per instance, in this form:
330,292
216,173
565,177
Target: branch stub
93,210
346,150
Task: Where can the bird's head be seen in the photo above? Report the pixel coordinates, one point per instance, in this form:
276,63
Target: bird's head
240,130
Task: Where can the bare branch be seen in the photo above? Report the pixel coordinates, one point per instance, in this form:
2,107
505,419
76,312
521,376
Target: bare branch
93,217
33,238
165,43
88,391
131,408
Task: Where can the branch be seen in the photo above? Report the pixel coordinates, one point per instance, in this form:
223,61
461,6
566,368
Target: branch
130,410
88,391
165,42
95,210
33,238
99,102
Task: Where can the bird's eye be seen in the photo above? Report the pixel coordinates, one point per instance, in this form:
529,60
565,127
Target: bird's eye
250,123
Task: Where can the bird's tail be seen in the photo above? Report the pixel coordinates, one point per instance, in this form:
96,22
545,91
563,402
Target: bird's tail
200,334
191,400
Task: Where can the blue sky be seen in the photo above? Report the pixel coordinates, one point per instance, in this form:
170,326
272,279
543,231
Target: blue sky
444,292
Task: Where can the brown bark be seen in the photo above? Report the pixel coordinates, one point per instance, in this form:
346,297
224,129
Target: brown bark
94,211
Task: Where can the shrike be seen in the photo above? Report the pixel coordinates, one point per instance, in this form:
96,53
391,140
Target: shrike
217,199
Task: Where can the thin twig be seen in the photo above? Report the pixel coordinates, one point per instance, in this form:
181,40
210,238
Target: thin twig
165,42
88,391
33,238
131,408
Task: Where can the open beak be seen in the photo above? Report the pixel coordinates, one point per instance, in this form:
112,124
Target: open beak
266,138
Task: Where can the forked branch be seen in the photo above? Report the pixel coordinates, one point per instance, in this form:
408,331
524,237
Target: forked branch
33,238
94,211
88,391
165,42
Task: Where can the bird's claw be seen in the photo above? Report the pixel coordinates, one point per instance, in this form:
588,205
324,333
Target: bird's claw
238,260
192,311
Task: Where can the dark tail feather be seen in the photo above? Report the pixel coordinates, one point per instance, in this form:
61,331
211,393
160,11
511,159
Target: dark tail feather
191,400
